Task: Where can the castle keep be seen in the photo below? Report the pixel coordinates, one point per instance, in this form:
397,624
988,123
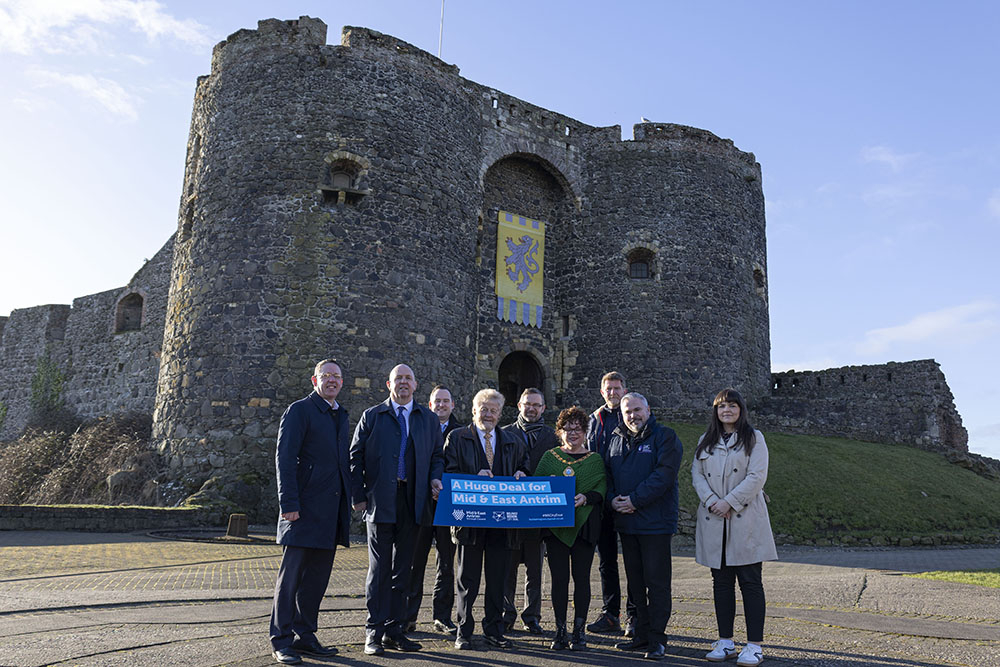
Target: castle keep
343,200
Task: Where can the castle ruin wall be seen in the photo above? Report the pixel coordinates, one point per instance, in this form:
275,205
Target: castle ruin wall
899,402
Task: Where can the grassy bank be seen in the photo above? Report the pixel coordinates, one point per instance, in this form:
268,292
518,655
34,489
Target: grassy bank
832,490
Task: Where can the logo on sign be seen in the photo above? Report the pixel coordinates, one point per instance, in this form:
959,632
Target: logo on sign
499,516
458,514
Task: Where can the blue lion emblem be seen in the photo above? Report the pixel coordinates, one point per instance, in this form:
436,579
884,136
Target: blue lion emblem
521,261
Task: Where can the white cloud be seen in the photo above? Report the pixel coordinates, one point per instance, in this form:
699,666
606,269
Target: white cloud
969,322
886,155
993,203
58,26
109,94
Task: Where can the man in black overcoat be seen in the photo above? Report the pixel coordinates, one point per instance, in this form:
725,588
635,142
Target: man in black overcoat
442,404
313,498
396,467
483,449
538,439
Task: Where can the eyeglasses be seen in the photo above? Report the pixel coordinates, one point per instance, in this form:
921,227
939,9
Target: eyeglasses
327,376
571,429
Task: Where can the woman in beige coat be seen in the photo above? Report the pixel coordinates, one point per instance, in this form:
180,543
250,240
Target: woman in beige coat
733,534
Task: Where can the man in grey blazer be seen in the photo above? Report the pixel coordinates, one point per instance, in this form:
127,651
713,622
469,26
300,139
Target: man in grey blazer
396,467
313,486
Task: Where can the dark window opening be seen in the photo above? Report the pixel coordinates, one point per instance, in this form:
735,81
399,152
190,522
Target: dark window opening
640,264
517,372
128,317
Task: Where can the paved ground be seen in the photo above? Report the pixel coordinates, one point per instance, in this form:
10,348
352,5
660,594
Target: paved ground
136,599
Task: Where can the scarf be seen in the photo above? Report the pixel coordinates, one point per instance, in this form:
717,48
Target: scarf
530,429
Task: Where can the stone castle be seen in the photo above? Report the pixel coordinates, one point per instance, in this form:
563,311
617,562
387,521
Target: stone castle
342,200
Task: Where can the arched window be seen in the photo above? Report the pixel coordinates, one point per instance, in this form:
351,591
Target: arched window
128,316
640,264
517,372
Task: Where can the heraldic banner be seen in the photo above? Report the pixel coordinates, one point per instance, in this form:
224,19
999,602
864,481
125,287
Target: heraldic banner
520,258
505,502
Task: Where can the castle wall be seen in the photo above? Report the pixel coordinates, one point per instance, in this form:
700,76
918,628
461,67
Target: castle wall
100,371
30,333
701,321
114,371
900,402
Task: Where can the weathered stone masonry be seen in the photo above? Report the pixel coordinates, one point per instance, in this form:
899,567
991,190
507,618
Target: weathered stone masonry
342,200
907,403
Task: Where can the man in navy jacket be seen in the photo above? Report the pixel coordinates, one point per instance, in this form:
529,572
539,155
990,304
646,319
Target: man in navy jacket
396,467
642,462
313,486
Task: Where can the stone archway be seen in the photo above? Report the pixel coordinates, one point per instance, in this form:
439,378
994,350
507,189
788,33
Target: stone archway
517,372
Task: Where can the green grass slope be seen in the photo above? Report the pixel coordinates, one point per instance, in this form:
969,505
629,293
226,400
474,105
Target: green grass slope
831,490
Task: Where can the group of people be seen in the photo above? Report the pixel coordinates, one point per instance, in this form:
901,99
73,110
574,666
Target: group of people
624,465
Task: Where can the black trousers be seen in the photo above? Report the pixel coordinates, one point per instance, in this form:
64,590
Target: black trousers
531,555
390,561
302,579
647,567
491,550
611,588
563,562
754,605
444,580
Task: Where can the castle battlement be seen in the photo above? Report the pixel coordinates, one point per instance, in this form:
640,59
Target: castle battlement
295,34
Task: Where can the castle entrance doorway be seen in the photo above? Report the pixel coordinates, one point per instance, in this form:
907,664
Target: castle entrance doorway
518,371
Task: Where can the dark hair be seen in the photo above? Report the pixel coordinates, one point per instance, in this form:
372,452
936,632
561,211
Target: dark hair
744,430
440,387
573,414
532,391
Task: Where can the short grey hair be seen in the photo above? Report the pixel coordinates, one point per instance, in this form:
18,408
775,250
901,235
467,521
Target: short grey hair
484,395
635,396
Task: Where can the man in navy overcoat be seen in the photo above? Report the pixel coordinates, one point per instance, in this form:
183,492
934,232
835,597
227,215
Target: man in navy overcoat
314,481
396,468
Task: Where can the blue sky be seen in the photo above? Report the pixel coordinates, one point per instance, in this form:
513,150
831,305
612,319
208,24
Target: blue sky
875,124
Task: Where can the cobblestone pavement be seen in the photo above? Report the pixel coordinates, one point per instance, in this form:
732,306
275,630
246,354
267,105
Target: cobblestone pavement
131,599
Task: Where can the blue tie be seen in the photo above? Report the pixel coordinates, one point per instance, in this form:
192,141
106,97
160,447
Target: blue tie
401,469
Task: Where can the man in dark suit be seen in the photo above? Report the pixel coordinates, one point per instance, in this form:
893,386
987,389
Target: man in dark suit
538,439
642,462
441,404
482,449
396,466
313,486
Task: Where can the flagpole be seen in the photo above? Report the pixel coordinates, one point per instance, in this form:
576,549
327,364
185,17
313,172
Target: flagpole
441,31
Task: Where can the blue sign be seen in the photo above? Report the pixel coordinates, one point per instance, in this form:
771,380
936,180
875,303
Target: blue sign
505,502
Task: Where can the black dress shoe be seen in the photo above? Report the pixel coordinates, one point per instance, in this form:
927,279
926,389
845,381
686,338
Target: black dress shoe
400,642
463,643
286,656
533,627
633,645
605,623
655,652
499,641
373,644
445,626
313,648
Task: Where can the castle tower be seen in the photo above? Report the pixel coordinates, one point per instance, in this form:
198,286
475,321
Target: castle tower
344,201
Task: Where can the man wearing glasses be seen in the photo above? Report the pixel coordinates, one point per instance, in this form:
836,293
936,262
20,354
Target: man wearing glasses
314,481
538,438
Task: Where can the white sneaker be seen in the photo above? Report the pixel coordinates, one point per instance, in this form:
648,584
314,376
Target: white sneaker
722,649
750,656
